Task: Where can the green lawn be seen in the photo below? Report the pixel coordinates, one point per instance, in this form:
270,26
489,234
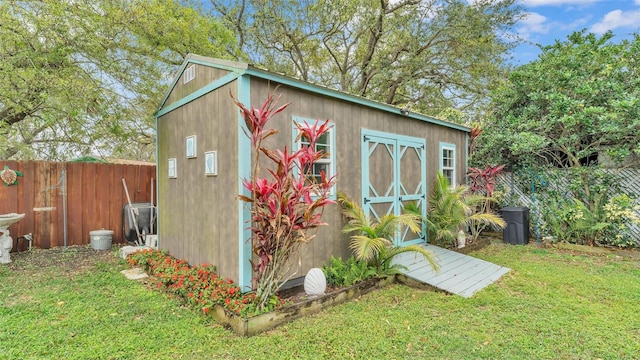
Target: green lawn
552,305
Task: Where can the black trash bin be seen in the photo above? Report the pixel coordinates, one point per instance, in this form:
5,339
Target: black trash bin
517,230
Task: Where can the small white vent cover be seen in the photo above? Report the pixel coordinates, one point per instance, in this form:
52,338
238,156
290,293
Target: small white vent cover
189,73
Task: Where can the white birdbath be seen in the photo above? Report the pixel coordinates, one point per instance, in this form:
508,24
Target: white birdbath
6,242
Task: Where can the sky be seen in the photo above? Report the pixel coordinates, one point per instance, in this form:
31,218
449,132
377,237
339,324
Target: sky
550,20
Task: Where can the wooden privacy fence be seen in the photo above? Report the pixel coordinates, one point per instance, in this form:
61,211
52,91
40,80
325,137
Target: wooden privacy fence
95,197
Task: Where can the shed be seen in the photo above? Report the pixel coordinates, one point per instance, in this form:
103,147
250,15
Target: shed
384,157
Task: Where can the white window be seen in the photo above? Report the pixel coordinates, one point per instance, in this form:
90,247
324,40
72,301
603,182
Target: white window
448,162
211,163
190,146
326,144
173,173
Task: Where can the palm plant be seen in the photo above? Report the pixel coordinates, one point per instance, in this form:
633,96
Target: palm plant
372,241
454,208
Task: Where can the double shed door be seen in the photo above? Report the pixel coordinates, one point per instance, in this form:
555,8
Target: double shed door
393,175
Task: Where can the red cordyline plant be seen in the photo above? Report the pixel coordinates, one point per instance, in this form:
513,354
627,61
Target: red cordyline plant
483,182
287,202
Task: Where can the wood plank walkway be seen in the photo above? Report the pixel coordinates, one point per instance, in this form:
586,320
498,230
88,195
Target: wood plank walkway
459,274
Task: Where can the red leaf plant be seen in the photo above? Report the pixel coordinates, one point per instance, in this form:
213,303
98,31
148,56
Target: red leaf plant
286,202
483,182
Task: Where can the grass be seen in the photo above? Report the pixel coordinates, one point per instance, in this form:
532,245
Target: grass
554,304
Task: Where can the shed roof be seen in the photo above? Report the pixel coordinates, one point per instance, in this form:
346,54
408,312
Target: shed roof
240,68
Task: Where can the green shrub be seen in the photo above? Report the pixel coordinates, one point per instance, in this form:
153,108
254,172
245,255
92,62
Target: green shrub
347,273
453,208
621,213
146,258
605,224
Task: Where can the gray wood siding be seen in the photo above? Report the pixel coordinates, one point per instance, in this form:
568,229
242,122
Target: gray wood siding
204,75
197,213
349,119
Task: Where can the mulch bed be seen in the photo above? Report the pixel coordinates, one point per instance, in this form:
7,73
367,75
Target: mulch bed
71,259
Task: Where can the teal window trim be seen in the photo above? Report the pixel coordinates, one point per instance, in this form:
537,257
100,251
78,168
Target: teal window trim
332,147
466,158
441,166
244,172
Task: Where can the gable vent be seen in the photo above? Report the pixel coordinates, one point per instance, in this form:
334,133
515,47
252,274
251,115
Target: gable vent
189,73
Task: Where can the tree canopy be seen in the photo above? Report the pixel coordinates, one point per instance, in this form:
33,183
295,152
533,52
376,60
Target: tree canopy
577,104
84,77
434,55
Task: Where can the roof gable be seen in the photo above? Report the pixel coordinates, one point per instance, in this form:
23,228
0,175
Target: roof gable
240,68
233,66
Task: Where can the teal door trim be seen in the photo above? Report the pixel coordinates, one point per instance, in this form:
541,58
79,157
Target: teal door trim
244,172
396,147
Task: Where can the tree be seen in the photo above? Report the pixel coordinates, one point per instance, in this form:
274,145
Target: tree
576,108
84,77
432,55
580,99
